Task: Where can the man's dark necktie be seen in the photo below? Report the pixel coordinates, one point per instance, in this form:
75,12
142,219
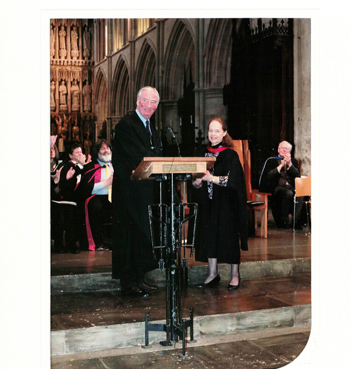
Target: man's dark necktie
149,132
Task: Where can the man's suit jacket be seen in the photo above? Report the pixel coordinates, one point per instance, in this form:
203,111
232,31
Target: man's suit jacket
130,197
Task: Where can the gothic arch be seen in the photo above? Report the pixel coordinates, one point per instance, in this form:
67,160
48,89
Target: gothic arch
146,66
101,96
121,83
179,53
218,53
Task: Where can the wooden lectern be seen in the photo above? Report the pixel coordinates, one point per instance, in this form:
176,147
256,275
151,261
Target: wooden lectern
175,327
159,165
195,166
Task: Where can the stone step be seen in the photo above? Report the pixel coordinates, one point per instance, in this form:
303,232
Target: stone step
98,282
75,341
290,341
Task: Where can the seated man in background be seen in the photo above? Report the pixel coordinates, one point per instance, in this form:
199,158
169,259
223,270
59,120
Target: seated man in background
277,177
95,191
69,180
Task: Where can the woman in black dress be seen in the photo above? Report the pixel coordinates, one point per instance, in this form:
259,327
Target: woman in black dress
224,207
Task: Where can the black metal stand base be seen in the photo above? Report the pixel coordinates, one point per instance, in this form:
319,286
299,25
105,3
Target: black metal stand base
172,230
178,332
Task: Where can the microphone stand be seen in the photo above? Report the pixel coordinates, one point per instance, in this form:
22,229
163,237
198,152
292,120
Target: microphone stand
178,147
172,134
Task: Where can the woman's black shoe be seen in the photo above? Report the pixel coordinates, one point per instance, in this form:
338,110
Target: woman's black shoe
210,284
231,287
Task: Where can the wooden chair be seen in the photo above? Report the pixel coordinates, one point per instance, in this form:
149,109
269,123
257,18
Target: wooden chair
257,201
302,188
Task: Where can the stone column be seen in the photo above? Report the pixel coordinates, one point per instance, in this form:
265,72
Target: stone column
95,37
110,42
132,89
159,69
199,120
302,93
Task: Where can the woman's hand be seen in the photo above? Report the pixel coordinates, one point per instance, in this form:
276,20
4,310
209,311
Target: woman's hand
207,176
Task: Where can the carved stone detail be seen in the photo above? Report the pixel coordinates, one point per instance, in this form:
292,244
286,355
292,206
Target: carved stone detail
52,96
87,97
63,96
86,43
52,42
74,43
62,34
75,92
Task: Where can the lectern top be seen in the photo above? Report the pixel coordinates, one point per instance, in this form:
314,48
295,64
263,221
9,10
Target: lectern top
168,165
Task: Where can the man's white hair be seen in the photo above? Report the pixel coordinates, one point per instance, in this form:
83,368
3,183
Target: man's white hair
289,145
148,88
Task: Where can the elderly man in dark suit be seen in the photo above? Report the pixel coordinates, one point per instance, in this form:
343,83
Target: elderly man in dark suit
134,138
278,177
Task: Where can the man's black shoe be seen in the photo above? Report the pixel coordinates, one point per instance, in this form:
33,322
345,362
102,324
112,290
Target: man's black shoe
147,288
136,292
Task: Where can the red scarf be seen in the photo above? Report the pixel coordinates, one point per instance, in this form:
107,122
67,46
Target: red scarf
219,149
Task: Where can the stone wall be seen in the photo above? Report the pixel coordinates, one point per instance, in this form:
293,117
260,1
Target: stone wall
302,93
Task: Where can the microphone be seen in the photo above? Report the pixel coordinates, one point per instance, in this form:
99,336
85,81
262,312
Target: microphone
172,134
170,130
